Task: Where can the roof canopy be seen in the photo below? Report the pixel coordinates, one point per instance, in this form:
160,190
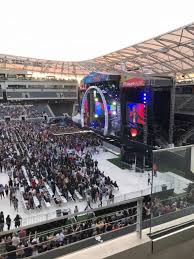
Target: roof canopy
168,54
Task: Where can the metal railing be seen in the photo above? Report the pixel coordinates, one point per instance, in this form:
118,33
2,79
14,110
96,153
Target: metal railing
43,218
49,239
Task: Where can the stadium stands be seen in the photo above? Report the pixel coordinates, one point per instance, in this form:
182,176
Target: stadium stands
15,95
42,95
60,108
28,111
27,94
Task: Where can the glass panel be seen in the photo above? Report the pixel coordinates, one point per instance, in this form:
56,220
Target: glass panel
172,186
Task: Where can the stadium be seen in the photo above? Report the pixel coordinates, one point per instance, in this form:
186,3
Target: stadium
97,156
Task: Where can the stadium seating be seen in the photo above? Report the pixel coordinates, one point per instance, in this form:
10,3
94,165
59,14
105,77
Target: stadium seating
60,108
29,111
43,95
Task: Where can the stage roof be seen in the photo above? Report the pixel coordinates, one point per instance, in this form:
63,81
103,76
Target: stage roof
169,54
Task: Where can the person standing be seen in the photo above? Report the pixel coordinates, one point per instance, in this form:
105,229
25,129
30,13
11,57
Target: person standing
11,196
9,172
149,179
53,187
155,170
111,196
2,220
8,222
10,183
100,199
76,211
17,221
1,191
96,164
6,190
15,203
1,169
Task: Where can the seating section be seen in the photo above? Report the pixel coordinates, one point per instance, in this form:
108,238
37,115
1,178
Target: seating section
46,182
34,111
43,94
29,111
13,94
60,108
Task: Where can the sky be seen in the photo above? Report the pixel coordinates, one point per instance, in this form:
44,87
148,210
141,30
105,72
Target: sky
75,30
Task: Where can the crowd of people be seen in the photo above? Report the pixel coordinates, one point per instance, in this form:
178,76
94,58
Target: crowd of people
158,207
29,111
22,244
65,127
46,169
19,244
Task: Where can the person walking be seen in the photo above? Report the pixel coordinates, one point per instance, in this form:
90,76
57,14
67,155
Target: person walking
88,200
8,222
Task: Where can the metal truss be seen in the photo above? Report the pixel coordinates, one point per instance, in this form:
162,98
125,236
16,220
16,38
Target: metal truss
170,54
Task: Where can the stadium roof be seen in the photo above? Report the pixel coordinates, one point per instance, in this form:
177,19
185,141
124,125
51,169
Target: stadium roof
168,54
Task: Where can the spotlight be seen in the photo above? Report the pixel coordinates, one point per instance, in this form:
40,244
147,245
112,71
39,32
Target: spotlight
144,94
114,103
96,115
96,99
114,113
144,98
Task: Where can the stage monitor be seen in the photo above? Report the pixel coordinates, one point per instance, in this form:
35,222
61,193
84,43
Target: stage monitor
135,114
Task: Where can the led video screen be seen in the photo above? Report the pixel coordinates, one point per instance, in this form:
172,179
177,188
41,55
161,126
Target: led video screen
99,108
135,114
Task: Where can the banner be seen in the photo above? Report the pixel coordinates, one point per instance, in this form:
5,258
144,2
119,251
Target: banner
128,81
95,78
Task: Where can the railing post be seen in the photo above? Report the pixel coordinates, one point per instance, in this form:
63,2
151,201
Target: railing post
139,217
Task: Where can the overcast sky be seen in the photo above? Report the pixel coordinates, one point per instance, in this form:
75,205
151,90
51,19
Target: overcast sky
83,29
